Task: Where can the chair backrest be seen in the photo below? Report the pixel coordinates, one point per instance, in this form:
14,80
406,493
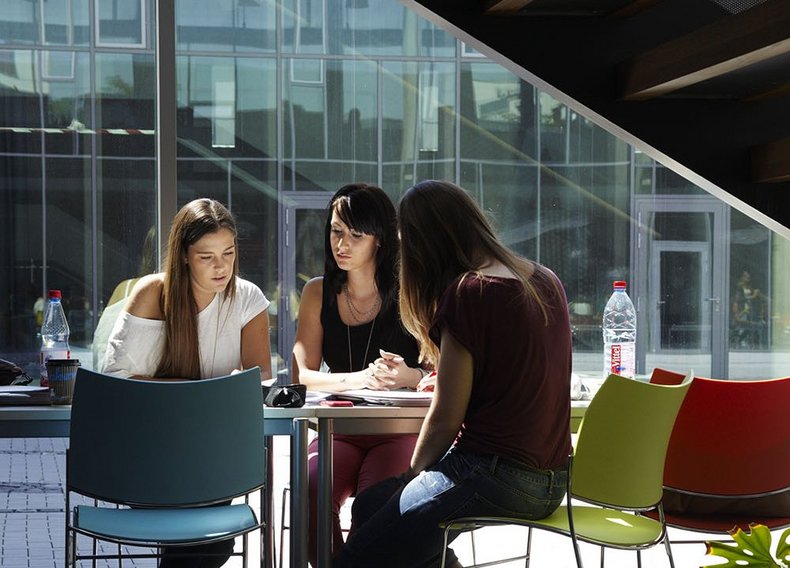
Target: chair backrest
619,456
731,438
661,376
167,443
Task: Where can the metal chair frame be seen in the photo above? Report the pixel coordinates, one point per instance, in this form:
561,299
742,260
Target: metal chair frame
155,458
615,472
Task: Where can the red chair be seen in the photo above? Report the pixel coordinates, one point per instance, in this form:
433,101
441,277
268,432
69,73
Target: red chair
664,377
729,456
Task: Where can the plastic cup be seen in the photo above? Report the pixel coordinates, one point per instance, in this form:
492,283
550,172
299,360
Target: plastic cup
62,374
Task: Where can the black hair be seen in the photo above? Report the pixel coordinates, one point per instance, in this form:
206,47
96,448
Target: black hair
367,209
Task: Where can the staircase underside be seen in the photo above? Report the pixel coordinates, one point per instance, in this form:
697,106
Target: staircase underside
698,85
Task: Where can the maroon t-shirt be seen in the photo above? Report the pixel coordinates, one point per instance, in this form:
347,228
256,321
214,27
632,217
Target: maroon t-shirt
520,403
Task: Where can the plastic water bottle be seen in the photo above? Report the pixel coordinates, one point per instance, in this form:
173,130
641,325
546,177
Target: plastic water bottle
619,333
54,334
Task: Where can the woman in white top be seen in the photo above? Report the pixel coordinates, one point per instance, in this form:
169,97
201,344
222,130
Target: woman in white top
195,320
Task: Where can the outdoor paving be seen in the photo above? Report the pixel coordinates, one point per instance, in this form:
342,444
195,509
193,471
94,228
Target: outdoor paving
32,471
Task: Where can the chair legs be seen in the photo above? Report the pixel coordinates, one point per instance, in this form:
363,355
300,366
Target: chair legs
668,547
446,544
529,547
283,526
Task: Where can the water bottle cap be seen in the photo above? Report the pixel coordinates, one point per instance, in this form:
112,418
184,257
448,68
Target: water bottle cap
619,285
54,294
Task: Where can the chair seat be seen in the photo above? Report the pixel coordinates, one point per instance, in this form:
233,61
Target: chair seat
593,524
165,526
722,523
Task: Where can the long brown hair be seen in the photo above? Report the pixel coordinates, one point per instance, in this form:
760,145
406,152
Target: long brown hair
181,352
444,234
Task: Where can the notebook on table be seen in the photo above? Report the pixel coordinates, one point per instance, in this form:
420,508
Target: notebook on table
17,395
389,398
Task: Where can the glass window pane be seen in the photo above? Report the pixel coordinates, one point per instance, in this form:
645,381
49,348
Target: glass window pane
361,27
125,103
226,25
553,129
65,22
121,23
498,114
22,260
126,239
752,288
589,142
19,22
21,98
304,26
68,102
418,102
67,246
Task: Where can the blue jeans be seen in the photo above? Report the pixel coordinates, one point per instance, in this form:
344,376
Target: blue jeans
399,523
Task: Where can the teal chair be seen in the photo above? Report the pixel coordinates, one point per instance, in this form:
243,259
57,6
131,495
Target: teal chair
161,460
616,473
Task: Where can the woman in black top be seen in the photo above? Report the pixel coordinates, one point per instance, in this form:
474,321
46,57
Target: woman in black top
349,321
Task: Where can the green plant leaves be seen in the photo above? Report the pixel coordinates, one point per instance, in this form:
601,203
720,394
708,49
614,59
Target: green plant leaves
752,549
783,548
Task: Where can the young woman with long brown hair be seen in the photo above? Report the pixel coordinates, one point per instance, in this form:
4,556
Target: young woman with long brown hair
497,436
195,320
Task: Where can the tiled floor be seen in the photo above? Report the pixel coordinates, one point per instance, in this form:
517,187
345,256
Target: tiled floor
32,514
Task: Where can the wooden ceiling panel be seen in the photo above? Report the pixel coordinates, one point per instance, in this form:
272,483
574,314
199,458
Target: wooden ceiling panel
771,162
564,7
733,43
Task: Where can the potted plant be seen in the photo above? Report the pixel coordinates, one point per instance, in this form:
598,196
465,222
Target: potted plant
752,549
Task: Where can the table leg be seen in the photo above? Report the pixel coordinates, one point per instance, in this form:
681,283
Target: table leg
267,506
325,435
299,493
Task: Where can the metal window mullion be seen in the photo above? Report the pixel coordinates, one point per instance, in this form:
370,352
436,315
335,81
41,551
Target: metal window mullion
36,77
380,122
457,114
166,167
94,145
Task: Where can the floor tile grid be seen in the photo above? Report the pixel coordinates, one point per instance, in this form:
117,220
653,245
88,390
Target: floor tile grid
32,516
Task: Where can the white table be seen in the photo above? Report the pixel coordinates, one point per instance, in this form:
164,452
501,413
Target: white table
53,421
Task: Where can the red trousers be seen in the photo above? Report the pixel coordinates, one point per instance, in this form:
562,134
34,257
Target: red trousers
358,463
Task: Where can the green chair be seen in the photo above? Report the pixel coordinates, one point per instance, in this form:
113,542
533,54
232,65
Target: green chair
161,460
616,473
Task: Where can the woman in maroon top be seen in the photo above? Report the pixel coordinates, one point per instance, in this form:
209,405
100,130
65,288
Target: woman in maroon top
497,436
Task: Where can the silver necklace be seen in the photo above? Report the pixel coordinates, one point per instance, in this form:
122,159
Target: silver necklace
367,347
358,315
216,334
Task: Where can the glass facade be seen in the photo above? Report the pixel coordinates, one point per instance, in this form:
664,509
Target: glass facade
280,103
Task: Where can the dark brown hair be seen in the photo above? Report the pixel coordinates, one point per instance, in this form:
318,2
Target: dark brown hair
444,234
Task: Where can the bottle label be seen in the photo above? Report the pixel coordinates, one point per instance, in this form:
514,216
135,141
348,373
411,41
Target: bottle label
46,355
623,359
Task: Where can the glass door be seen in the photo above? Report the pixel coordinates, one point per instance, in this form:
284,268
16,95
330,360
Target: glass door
680,320
302,258
681,284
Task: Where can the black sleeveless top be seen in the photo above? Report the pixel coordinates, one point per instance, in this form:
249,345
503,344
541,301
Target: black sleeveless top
387,334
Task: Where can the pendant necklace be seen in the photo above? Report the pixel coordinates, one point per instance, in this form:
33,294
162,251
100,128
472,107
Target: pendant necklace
367,347
216,333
